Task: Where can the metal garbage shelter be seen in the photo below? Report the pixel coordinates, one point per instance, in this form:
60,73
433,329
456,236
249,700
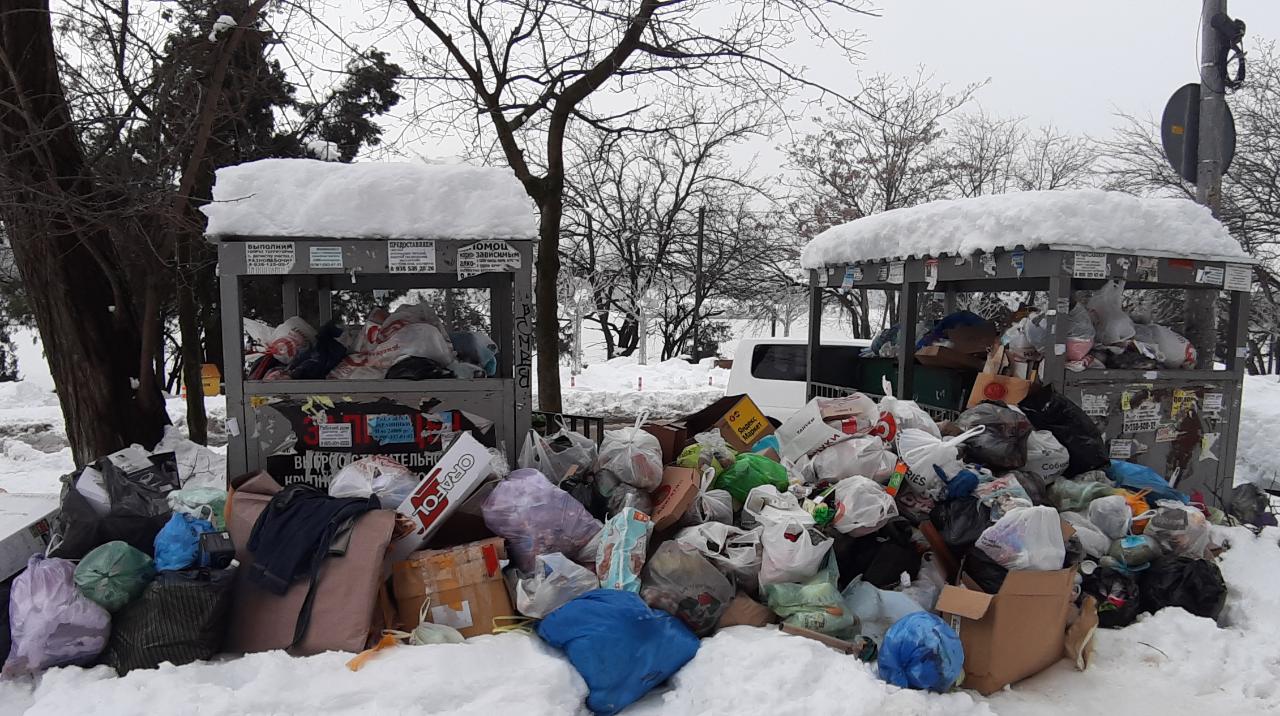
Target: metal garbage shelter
306,430
1182,423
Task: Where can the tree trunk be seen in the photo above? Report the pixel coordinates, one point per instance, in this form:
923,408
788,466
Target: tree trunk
70,268
189,330
546,314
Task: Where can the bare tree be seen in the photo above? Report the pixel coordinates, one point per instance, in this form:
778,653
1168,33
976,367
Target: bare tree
527,69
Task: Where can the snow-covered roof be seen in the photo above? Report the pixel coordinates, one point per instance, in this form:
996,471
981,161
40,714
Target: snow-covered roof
306,197
1077,219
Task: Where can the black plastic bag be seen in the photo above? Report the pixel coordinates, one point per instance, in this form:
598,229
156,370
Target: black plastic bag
6,636
139,509
1193,584
418,368
879,558
987,573
181,617
315,362
1034,486
960,521
1250,505
1003,445
1117,594
1076,431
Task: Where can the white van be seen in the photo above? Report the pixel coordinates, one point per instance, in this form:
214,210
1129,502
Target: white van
772,371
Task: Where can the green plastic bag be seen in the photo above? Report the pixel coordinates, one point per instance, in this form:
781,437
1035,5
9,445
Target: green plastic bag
815,605
1075,496
709,449
114,575
748,473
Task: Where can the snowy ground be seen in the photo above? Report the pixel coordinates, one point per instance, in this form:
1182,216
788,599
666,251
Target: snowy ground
621,389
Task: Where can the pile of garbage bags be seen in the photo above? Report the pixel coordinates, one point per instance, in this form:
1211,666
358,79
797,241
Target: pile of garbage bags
409,343
1101,334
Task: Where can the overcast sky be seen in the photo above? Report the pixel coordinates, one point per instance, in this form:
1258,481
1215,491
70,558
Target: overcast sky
1069,62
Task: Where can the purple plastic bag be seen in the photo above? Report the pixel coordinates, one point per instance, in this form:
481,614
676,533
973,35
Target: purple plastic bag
53,624
536,517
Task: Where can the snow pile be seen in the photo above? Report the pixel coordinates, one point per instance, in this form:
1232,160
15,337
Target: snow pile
308,197
490,675
24,468
221,25
1085,218
1257,454
622,388
323,150
25,394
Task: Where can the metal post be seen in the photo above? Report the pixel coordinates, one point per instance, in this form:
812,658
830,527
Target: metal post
1201,310
816,281
908,314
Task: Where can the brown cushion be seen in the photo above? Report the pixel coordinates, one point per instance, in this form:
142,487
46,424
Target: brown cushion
346,590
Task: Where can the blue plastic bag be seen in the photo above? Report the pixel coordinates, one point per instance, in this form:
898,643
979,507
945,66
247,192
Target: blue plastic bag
921,652
178,542
620,646
1133,476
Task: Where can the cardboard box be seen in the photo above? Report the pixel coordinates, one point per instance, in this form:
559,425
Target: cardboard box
458,473
736,416
943,357
464,584
24,529
744,610
1013,634
673,496
672,436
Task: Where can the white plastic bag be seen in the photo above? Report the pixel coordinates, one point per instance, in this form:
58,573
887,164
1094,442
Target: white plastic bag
1170,349
928,584
1046,456
555,581
710,505
375,475
632,455
1111,324
791,553
1179,529
559,455
735,552
926,454
862,506
765,507
865,455
1111,515
1026,341
897,414
876,609
1095,543
1027,538
291,338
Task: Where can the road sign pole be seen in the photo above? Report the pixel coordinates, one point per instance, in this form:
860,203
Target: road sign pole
1201,308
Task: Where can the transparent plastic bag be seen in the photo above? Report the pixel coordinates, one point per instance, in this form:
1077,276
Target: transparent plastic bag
709,450
378,475
814,603
1080,333
1095,543
555,580
679,580
291,338
1046,456
791,553
1028,538
51,622
928,584
897,414
876,609
536,517
737,553
765,507
1111,515
1111,324
710,505
1179,529
867,456
632,455
205,503
616,493
862,506
1075,494
623,546
1164,345
1002,494
559,456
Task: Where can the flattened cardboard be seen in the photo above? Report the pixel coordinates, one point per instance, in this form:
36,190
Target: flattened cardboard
673,496
1078,648
464,584
745,611
24,529
1013,634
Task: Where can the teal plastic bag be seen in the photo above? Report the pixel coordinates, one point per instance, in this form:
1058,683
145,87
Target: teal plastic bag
114,575
749,472
624,543
178,542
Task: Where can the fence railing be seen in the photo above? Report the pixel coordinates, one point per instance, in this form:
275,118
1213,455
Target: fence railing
545,423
